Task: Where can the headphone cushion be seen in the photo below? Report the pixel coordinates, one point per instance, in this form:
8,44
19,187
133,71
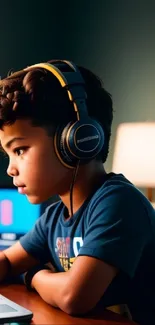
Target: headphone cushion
61,147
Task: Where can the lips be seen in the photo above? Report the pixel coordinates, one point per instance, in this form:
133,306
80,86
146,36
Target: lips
22,189
18,184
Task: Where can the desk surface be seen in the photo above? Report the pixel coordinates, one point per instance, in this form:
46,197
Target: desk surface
45,314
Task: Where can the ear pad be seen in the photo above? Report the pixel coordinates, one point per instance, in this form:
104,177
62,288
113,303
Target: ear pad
80,140
61,148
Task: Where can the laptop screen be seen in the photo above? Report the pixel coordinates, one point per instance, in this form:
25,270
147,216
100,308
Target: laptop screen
17,214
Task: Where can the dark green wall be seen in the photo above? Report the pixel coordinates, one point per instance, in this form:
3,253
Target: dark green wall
114,38
31,32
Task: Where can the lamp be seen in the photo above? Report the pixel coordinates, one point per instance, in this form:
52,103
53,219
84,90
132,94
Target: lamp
134,154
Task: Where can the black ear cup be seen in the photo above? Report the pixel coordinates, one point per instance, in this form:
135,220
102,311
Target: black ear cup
80,140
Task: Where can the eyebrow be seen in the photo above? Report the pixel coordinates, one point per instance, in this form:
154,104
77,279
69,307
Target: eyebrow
10,142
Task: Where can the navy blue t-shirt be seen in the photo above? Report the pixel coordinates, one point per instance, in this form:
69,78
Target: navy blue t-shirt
115,224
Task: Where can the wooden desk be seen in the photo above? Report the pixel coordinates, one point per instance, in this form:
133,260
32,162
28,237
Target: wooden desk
45,314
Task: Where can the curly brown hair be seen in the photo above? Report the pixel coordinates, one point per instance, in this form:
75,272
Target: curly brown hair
38,96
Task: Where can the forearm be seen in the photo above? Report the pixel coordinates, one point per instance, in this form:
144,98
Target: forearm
4,267
52,287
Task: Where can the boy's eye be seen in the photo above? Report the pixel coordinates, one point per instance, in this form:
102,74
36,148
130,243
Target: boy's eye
19,151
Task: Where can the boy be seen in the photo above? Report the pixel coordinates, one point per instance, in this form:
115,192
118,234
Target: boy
100,237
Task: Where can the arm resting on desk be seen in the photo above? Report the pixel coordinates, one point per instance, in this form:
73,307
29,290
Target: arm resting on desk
14,261
78,290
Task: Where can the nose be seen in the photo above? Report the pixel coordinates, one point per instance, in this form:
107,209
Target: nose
12,170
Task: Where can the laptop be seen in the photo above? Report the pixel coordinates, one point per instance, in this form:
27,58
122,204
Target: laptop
17,216
12,312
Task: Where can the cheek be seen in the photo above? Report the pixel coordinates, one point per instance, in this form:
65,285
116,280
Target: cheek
52,173
44,170
38,167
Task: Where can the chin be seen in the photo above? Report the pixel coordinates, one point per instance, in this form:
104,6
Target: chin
35,199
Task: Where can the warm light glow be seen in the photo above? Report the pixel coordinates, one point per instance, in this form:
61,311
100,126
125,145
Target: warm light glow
134,154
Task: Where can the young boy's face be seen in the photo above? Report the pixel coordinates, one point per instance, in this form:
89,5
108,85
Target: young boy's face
33,164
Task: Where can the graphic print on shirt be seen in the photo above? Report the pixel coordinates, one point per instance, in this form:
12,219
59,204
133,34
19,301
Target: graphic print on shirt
63,248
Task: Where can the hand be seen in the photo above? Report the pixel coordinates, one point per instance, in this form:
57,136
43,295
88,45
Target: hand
39,274
28,276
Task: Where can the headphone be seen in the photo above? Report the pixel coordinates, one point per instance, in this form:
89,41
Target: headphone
82,139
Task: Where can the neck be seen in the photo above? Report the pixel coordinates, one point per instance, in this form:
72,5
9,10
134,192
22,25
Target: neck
89,178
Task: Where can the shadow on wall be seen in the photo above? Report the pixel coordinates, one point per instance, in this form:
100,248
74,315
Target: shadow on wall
5,180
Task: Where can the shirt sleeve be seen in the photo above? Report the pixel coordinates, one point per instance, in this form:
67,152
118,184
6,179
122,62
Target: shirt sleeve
35,241
117,230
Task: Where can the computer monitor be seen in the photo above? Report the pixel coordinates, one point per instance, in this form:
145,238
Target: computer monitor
17,215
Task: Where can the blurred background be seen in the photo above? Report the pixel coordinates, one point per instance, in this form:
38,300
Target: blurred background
114,38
